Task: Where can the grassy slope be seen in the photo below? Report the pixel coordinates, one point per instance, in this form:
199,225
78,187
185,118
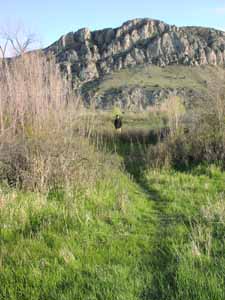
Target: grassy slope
153,77
156,236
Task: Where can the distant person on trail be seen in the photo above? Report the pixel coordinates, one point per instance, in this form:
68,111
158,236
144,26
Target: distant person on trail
118,124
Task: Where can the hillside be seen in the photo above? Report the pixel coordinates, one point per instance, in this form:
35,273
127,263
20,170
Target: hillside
89,56
140,87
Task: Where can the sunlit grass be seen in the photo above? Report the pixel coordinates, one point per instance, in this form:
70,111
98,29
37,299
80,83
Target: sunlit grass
120,240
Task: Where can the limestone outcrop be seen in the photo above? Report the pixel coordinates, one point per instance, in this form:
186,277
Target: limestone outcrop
90,55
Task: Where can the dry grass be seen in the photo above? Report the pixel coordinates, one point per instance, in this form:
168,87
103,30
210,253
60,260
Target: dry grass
33,95
43,130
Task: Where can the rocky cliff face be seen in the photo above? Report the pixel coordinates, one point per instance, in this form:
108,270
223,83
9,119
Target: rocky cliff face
89,55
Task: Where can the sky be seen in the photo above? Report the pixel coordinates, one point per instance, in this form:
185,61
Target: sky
50,19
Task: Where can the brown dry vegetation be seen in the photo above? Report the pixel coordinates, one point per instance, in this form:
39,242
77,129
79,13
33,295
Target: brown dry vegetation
42,126
196,135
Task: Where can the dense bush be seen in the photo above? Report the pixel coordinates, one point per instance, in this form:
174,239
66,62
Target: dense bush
197,137
44,133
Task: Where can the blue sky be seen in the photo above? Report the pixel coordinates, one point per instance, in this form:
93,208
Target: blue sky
52,18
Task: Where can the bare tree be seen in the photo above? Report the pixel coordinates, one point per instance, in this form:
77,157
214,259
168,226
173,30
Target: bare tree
3,47
15,40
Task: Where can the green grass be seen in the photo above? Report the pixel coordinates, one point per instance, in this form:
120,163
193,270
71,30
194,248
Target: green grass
133,123
76,245
153,77
139,234
189,259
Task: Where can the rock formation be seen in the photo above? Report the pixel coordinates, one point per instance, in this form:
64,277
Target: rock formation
89,55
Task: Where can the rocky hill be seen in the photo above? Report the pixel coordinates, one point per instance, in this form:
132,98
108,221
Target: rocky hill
88,56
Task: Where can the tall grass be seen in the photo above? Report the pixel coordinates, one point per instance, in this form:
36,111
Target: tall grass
42,125
33,94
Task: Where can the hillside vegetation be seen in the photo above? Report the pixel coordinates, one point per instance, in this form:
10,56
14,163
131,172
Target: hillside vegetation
153,77
141,87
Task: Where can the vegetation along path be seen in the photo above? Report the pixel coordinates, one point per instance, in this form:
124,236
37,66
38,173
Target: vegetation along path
136,234
187,213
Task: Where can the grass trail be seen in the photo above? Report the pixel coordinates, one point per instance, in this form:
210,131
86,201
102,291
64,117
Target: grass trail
77,245
159,257
139,234
189,222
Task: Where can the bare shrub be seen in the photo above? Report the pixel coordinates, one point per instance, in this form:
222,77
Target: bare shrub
158,156
32,94
197,135
174,110
61,161
43,130
15,40
206,135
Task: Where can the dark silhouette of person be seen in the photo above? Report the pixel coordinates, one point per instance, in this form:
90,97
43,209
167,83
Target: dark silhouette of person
118,124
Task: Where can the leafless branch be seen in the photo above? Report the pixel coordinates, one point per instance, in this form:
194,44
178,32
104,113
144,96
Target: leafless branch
15,40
